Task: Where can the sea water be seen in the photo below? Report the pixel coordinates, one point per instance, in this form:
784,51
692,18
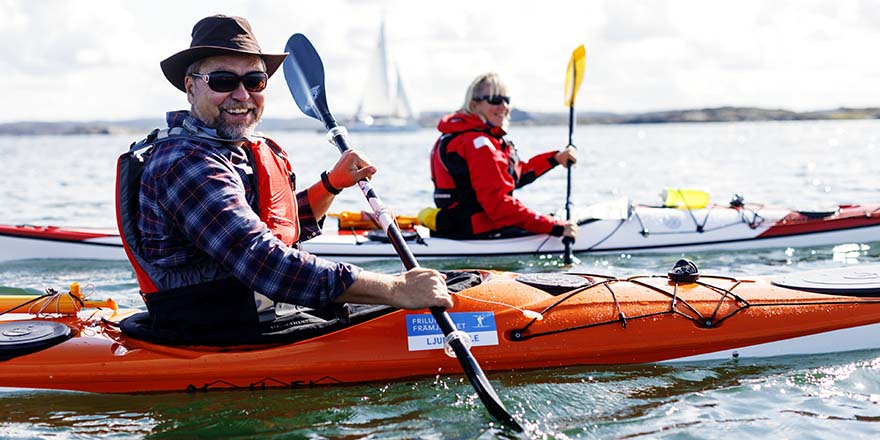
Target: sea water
69,180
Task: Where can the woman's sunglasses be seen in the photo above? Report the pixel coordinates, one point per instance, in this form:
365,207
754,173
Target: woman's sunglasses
227,81
494,99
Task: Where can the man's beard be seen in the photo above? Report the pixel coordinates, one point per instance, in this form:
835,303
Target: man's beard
235,131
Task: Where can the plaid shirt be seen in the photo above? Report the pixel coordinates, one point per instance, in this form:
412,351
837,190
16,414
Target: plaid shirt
196,203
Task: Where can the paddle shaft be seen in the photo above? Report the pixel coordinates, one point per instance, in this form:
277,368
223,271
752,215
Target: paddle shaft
567,241
568,184
304,73
386,219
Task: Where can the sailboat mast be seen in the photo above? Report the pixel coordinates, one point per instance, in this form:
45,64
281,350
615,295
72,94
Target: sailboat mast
383,57
384,102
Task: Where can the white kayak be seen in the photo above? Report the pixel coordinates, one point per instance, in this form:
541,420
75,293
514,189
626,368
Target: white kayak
614,227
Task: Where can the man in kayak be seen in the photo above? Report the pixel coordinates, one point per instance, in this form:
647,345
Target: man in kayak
216,216
475,170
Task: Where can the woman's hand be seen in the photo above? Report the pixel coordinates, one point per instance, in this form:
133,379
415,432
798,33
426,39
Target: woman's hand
570,230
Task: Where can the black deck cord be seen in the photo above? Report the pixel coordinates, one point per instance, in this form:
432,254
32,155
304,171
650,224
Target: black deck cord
620,315
644,230
688,208
699,320
700,227
670,295
519,335
724,294
716,228
712,322
610,234
691,212
757,219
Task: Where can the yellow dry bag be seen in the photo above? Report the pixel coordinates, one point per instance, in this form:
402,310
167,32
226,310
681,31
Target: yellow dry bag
684,198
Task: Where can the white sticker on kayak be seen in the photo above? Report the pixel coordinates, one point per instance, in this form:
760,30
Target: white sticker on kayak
423,333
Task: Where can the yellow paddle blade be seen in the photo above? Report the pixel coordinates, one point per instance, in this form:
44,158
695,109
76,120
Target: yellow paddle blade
574,75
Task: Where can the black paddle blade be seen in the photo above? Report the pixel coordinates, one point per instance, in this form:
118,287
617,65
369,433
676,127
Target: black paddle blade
484,388
304,73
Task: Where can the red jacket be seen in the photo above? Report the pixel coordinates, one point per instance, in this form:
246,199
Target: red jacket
475,171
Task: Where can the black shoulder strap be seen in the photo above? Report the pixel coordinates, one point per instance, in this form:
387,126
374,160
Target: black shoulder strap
444,141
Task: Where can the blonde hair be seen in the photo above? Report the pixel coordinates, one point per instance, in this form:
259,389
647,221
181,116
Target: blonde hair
488,83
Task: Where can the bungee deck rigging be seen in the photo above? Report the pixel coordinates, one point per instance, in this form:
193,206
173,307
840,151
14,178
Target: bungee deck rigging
676,306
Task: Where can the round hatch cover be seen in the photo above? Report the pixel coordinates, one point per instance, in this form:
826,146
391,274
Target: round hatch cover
847,281
18,338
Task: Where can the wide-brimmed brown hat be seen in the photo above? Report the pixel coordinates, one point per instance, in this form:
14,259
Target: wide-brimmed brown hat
217,35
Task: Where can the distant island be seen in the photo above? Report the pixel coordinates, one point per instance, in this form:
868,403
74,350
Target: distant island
429,120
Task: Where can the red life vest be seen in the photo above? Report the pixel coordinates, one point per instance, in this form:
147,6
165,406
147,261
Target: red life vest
276,183
275,199
475,170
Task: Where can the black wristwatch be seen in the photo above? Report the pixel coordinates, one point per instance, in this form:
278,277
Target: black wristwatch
325,179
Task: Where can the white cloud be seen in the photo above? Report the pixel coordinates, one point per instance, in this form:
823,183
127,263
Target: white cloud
94,59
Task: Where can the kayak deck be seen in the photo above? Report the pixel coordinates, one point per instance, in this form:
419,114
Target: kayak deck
513,325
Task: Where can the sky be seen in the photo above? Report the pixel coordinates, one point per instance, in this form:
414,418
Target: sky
82,60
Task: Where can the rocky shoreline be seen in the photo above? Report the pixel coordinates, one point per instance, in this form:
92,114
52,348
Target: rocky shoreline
429,119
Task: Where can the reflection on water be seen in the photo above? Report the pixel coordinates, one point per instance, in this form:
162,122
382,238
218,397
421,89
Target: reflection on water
823,393
849,253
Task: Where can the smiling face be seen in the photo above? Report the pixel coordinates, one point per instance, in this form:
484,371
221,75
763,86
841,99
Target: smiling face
496,114
484,86
235,113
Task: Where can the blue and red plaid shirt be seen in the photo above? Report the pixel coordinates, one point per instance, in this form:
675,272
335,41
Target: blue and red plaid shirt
196,203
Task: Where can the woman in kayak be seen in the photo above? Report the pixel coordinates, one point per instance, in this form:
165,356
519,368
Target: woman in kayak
475,170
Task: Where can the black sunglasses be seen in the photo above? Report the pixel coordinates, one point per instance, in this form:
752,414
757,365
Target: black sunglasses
494,99
227,81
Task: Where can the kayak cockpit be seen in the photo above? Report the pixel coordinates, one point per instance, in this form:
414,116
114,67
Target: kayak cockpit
289,324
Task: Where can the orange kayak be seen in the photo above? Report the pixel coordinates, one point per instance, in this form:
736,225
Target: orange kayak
515,322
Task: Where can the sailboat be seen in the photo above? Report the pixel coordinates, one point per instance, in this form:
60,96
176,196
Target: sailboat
384,105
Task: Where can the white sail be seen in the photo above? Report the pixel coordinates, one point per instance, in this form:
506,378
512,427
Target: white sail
384,105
